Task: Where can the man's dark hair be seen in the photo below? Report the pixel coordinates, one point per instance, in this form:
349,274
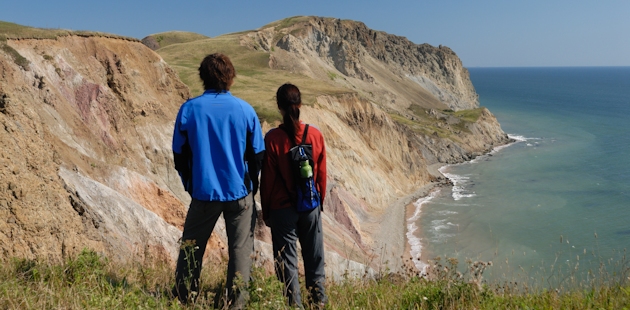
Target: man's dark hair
217,72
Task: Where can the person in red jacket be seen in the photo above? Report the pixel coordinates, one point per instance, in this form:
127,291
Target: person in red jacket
279,212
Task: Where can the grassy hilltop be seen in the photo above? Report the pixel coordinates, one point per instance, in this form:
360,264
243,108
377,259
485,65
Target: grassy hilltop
15,31
256,83
91,281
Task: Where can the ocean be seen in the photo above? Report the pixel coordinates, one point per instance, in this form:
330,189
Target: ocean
553,206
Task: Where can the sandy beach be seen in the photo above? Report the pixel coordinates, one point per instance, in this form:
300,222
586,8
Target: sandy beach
393,227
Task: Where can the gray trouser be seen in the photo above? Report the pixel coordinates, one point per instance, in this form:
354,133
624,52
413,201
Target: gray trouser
240,220
287,226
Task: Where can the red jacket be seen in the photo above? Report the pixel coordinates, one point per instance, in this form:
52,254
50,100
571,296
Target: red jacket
276,172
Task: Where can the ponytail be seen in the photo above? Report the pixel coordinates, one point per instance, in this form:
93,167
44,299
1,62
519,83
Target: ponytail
289,99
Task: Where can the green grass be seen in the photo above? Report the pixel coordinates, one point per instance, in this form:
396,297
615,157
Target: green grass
331,75
14,31
424,123
287,22
470,116
90,281
255,82
165,39
18,59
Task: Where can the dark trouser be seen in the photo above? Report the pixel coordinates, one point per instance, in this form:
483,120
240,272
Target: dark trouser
287,226
240,219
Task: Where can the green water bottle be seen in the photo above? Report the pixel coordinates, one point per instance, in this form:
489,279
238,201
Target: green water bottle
306,171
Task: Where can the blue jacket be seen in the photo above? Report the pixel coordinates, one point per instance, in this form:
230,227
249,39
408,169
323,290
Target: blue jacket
218,147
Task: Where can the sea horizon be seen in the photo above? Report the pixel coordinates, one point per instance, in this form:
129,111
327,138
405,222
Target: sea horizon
540,67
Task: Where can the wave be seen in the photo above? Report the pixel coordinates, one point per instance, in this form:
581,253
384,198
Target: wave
439,225
459,190
415,242
516,138
519,138
446,212
440,228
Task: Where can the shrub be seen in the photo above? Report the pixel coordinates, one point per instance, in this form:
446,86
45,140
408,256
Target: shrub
17,58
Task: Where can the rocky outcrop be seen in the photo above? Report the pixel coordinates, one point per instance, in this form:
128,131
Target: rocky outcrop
87,109
159,40
87,122
356,51
398,117
374,161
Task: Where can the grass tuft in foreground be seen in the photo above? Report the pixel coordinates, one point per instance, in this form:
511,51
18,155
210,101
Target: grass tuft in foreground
90,281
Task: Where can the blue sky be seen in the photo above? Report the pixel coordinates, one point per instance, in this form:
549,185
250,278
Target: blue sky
483,33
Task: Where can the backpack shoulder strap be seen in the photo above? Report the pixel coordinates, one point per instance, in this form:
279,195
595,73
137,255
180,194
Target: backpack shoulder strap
304,135
293,138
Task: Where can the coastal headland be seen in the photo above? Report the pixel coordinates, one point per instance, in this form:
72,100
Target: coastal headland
88,117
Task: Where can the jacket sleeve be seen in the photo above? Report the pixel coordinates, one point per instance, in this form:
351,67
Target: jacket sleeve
254,151
321,171
183,165
254,164
267,178
182,154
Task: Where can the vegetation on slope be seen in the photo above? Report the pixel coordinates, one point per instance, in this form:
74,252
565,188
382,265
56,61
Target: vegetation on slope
89,281
255,82
17,32
164,39
444,123
287,22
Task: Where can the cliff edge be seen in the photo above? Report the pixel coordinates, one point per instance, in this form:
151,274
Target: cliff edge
87,122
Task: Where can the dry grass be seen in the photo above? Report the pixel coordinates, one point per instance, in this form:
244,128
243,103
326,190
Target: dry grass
90,281
287,22
16,32
165,39
256,83
11,31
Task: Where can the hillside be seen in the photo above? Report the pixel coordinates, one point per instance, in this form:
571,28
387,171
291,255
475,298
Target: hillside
389,109
164,39
87,123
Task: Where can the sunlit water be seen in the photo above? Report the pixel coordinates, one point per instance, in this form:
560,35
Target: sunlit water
558,200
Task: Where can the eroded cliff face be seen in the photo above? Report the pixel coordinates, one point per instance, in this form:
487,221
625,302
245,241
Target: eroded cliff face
86,158
390,69
86,142
374,161
395,121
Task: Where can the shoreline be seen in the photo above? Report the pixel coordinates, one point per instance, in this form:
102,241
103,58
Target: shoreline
393,224
410,211
416,256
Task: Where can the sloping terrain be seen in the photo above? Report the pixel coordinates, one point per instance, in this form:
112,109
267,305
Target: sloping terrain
87,112
159,40
387,107
87,121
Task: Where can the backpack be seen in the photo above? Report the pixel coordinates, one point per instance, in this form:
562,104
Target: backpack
301,161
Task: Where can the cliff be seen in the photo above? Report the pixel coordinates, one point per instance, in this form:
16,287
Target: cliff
85,144
87,121
388,68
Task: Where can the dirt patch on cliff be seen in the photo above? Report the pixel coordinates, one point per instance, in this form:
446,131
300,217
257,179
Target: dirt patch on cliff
75,108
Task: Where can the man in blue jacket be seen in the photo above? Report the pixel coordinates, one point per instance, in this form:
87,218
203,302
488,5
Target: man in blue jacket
218,149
